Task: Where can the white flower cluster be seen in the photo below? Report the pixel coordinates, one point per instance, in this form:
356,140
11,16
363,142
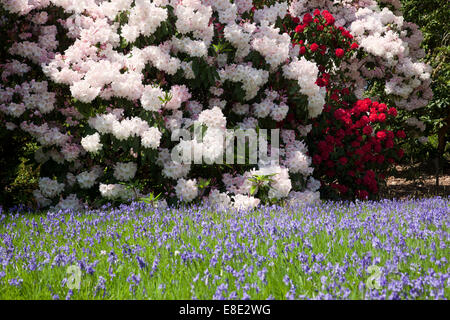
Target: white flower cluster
151,98
34,95
306,73
267,106
270,14
280,184
308,197
393,46
45,135
91,143
414,122
219,201
252,79
296,159
213,118
144,18
125,171
186,190
195,17
115,191
71,202
50,188
245,203
151,138
240,35
87,179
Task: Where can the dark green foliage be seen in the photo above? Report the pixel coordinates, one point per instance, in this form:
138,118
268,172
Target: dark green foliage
18,178
432,17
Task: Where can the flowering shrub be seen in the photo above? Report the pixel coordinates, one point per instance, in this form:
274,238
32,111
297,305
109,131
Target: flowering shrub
350,143
353,154
103,87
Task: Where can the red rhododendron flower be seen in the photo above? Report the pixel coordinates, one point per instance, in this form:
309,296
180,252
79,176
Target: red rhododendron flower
392,111
342,188
343,160
330,164
381,117
382,107
389,144
302,50
362,194
340,53
347,34
340,134
307,18
381,135
334,97
300,28
367,130
316,159
343,134
377,147
328,17
314,47
320,82
373,117
329,139
364,120
340,113
401,134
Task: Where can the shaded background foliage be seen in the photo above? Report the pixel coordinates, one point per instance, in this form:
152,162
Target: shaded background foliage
18,177
432,18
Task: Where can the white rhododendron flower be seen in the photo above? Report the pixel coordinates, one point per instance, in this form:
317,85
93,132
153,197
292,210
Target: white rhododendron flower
125,171
219,201
50,188
213,118
243,202
186,190
71,202
151,98
151,138
92,143
115,191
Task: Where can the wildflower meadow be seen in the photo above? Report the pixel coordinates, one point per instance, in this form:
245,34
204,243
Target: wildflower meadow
218,150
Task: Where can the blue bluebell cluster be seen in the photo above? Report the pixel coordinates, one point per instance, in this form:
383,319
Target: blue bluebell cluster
334,250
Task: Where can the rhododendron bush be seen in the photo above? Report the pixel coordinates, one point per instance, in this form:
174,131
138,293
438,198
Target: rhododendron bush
104,87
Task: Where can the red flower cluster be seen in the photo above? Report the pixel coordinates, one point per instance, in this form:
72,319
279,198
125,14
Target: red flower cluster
321,28
351,147
350,143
